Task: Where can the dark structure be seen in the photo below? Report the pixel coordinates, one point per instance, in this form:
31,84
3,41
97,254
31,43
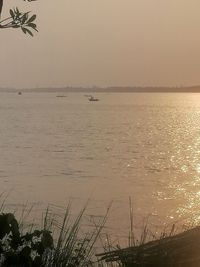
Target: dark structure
181,250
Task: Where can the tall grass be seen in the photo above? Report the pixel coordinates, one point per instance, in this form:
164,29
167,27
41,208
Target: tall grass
62,241
74,247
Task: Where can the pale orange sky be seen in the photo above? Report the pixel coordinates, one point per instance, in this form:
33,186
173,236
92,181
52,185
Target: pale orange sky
103,43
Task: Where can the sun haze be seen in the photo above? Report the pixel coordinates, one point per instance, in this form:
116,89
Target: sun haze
103,43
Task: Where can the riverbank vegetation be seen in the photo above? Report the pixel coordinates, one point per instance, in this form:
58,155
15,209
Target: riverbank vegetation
64,240
58,243
180,250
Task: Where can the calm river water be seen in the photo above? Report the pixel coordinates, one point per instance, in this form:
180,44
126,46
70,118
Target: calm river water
146,146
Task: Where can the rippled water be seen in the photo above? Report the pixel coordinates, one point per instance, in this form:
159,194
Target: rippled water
146,146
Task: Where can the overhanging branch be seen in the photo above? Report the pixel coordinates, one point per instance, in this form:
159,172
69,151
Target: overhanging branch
1,6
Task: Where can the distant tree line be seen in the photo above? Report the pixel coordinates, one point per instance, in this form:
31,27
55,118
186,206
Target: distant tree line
19,20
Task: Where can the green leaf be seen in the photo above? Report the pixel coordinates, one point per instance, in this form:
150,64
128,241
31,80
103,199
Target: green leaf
24,30
17,11
29,32
12,13
24,18
33,26
31,19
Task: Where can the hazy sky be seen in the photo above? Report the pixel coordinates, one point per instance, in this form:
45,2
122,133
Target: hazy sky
103,43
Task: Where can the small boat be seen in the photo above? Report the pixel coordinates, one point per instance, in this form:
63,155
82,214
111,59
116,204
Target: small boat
61,96
92,98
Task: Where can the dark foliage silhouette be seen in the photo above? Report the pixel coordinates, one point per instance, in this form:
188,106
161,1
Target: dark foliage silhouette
22,250
18,19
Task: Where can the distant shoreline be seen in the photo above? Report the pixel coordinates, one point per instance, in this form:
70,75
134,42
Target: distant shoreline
192,89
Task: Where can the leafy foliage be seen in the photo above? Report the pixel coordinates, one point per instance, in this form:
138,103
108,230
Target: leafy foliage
69,246
22,250
18,19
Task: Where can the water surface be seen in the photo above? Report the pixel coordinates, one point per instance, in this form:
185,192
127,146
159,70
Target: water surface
146,146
